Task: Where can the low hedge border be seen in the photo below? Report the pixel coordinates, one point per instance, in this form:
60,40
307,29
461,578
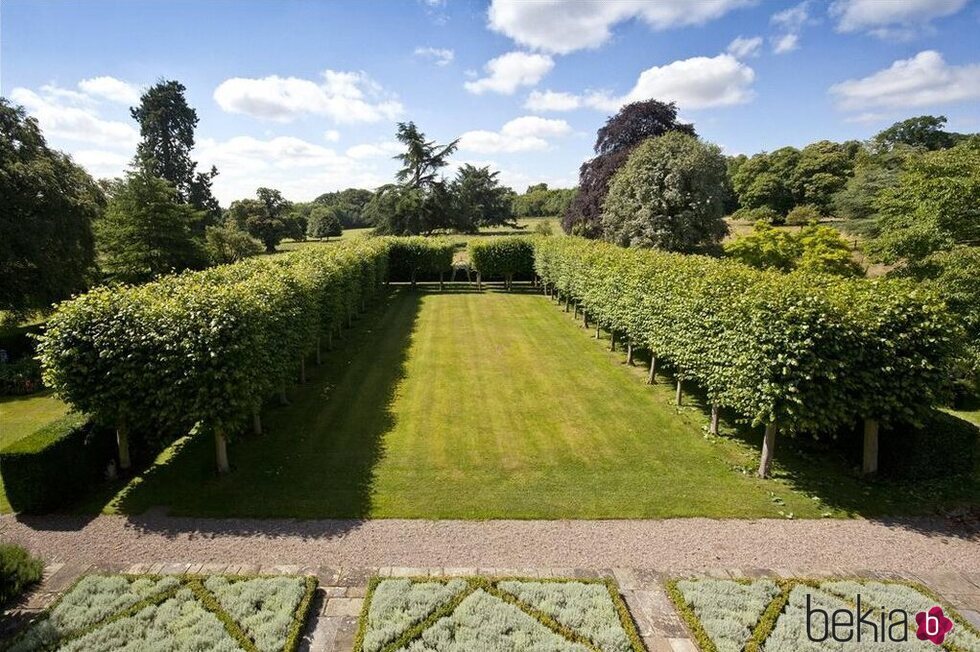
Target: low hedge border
48,468
194,582
489,584
19,570
767,621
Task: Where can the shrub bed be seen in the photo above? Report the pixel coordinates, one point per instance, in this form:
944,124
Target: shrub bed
110,612
480,613
18,571
49,468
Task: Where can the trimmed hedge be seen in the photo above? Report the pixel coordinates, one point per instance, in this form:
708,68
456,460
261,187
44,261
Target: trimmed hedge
942,446
49,468
18,571
807,353
503,258
419,258
205,347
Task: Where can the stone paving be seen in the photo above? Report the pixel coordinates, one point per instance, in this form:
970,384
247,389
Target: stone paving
332,622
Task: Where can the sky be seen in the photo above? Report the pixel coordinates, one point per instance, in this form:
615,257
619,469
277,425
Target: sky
305,96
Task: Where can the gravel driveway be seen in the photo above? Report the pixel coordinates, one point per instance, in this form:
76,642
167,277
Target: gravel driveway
674,545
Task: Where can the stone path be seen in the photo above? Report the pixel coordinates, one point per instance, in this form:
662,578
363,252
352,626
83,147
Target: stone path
332,623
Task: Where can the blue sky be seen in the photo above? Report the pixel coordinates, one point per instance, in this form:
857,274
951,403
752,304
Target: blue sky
304,96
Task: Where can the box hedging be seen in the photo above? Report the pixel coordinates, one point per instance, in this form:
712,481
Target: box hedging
45,470
418,258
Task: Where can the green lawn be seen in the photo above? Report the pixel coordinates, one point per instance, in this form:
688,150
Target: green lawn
22,415
468,405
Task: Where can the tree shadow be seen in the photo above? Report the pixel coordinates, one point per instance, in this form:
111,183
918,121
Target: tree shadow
315,458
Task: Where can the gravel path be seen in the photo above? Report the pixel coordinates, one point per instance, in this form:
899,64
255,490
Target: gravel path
677,544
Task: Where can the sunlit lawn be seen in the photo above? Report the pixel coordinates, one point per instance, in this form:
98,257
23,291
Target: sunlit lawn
467,405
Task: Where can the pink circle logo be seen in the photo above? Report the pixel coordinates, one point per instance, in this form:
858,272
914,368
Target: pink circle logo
932,625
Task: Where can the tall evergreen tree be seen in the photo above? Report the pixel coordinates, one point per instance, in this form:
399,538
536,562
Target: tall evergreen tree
167,126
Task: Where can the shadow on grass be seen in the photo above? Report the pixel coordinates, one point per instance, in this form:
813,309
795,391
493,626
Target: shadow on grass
315,458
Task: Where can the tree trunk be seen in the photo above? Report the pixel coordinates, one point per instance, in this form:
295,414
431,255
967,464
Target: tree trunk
319,353
575,311
256,422
679,395
598,330
714,419
413,279
566,303
122,440
629,352
221,451
340,331
585,319
612,340
652,376
330,340
768,443
870,463
282,394
479,281
302,370
441,285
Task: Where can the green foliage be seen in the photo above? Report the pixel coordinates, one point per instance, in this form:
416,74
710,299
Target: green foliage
350,205
203,347
541,201
955,276
809,353
668,195
47,206
766,248
228,244
53,466
146,230
727,611
267,218
414,258
924,131
324,222
941,446
398,604
18,571
20,377
760,214
935,206
814,249
803,214
480,200
503,257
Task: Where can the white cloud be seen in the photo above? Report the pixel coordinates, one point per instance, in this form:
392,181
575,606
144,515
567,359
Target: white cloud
743,48
790,23
522,134
924,80
563,26
891,18
510,71
112,89
439,56
785,43
345,97
60,120
540,101
300,169
386,149
331,135
696,83
102,164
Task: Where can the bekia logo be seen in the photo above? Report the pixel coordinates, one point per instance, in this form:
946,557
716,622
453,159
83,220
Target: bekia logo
933,625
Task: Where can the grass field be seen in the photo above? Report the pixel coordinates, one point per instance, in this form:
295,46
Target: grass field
469,405
22,415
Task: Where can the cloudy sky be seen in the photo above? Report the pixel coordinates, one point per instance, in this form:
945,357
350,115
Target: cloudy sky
304,96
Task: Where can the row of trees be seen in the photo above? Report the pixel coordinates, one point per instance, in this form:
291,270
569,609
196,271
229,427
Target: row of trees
205,348
796,352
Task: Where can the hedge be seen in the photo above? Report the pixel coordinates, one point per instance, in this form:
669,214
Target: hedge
416,258
799,352
503,258
204,347
50,467
18,571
